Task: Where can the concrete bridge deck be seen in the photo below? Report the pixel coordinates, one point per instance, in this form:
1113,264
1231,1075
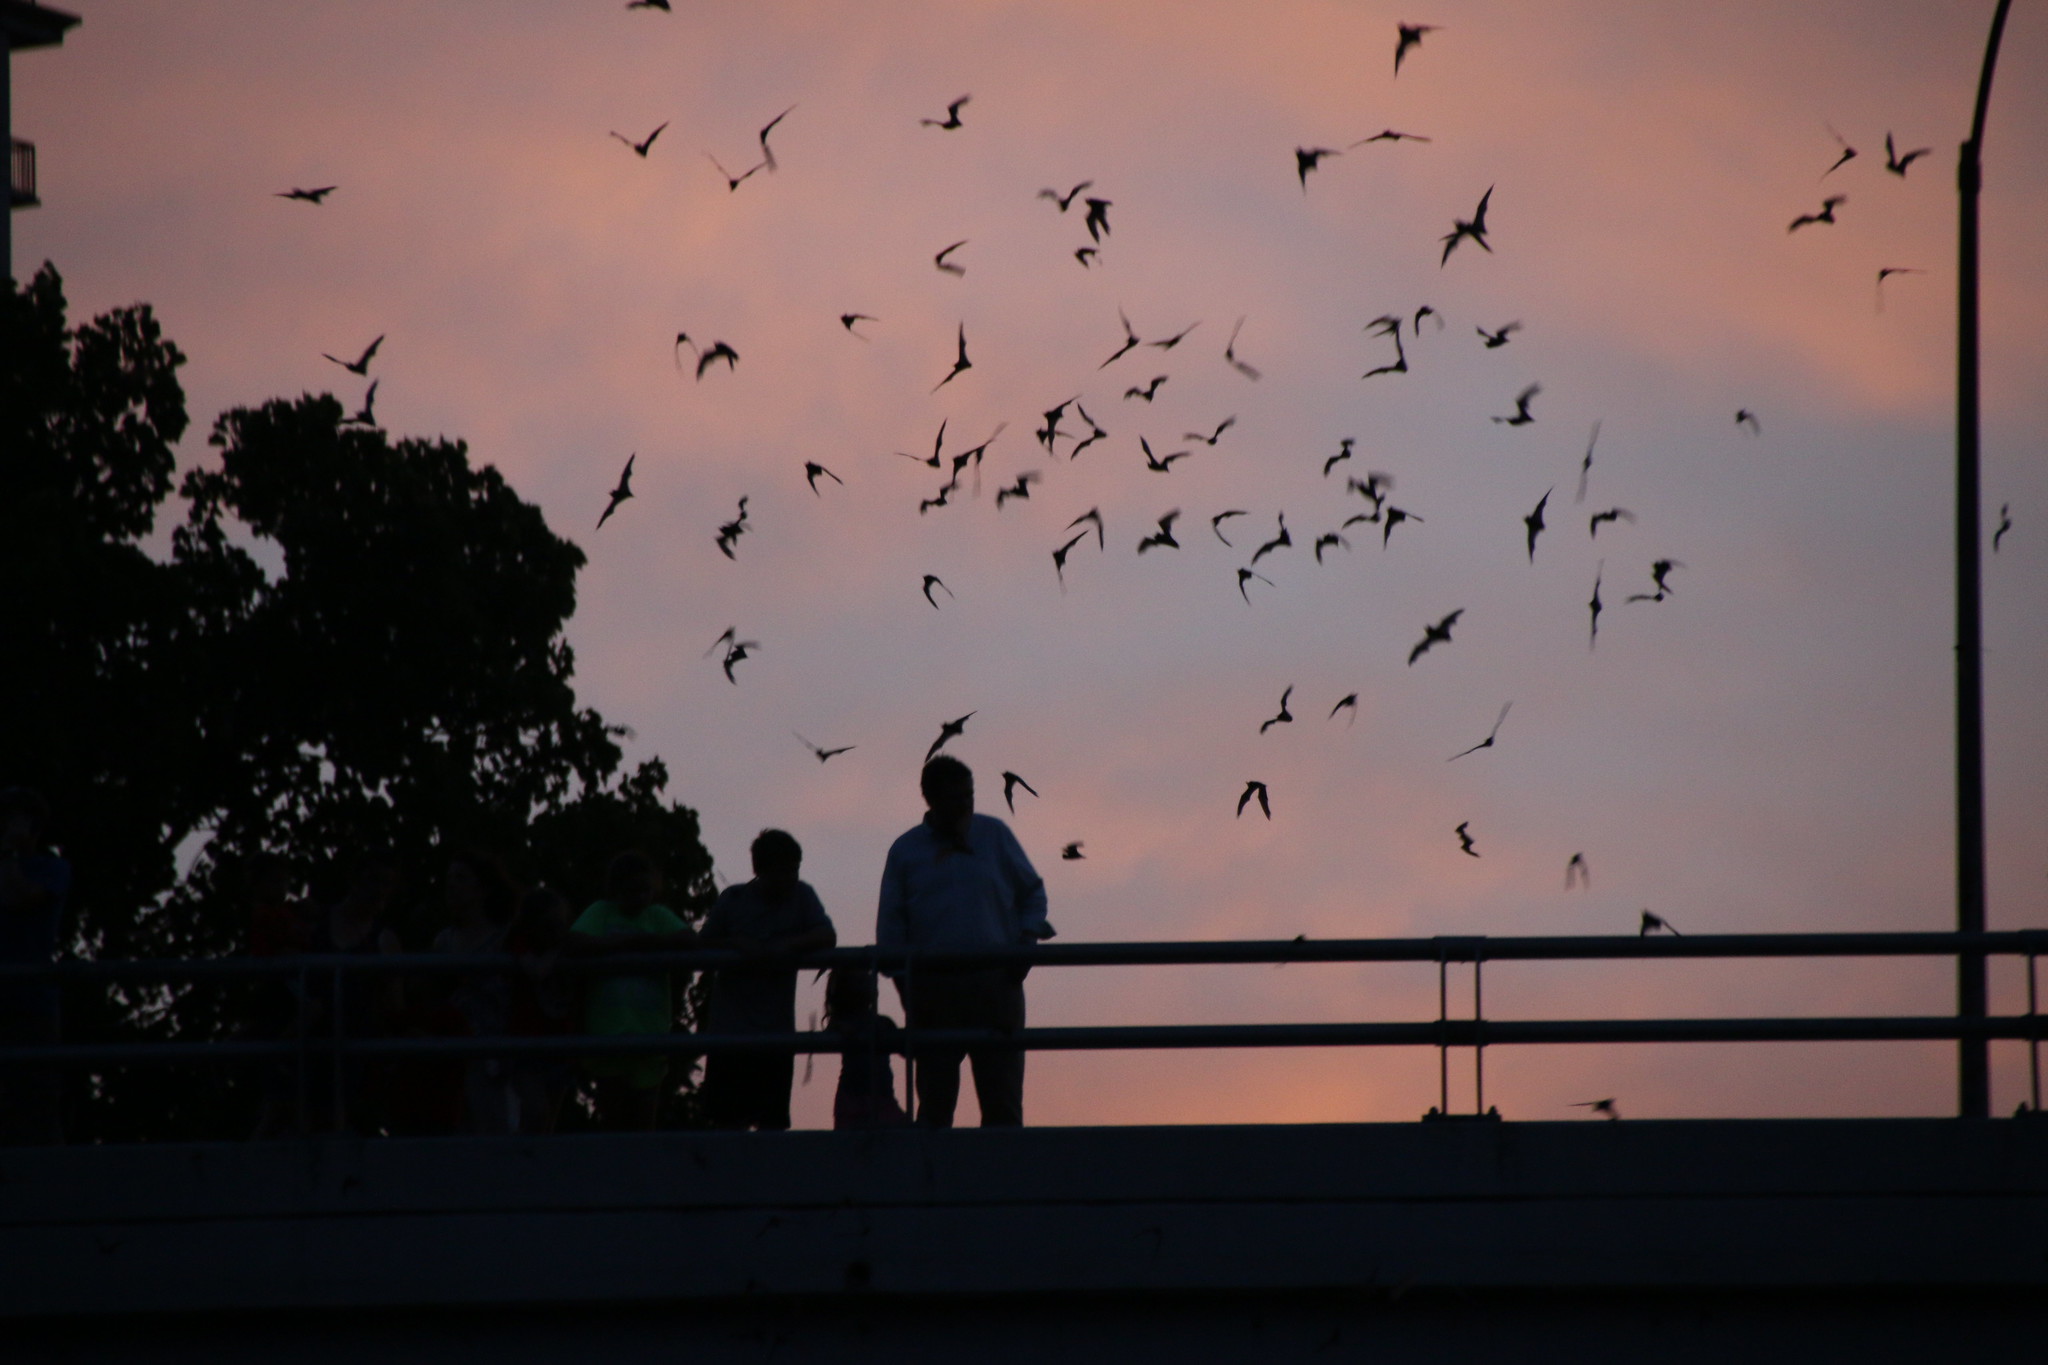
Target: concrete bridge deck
1871,1239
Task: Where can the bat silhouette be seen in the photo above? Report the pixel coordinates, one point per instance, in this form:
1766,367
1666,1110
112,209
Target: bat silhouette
621,493
942,263
1343,453
1149,391
2004,525
1245,576
824,754
1652,923
1586,465
1010,784
1131,342
729,534
1095,433
952,118
847,320
1463,831
367,417
1258,789
1230,354
1350,700
1486,743
1059,559
1307,159
1594,606
959,364
767,152
1216,522
733,182
1657,572
1098,218
717,351
1410,37
1826,214
1163,537
318,196
1496,340
640,147
1521,417
1594,522
1065,201
1072,852
1388,135
1848,153
1534,521
949,730
1160,464
931,580
812,469
1577,868
1745,418
1095,515
1327,539
1020,489
1440,633
1214,436
361,364
1897,164
1286,717
1473,229
1279,541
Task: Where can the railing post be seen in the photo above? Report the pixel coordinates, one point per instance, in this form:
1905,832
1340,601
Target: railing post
1443,1033
335,1035
303,1061
2033,1034
1478,1036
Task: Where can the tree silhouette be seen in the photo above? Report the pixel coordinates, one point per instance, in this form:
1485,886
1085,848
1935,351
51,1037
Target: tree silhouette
352,643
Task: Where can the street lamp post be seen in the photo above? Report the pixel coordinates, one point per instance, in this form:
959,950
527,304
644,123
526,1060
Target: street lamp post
1973,1061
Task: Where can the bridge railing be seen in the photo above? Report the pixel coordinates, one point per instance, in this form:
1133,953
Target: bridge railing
1477,1033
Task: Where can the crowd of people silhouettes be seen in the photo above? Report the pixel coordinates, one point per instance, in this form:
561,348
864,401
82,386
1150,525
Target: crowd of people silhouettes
958,882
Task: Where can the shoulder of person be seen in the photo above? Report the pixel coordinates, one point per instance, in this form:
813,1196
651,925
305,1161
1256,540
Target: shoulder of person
993,824
596,917
912,839
659,919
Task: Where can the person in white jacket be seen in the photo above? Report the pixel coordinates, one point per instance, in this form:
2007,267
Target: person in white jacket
960,880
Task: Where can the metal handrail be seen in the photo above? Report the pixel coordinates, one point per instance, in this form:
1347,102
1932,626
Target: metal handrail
1442,1033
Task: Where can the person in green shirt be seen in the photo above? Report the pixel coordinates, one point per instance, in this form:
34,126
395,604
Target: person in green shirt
631,919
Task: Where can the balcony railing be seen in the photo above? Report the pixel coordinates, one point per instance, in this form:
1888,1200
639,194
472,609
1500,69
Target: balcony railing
1444,1033
21,174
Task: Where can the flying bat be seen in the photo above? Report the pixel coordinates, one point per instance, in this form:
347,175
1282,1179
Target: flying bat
731,531
767,152
361,364
1595,607
1652,923
1897,164
1327,539
1389,135
1131,342
1098,218
1286,717
1826,214
1244,577
1521,417
1473,229
1464,833
1258,789
1280,541
1348,700
367,417
1486,743
1848,153
1343,453
1745,418
1020,489
717,351
1163,537
1410,37
931,580
952,118
1160,464
1072,852
949,730
733,182
621,493
824,754
1230,354
1440,633
959,364
1586,465
1576,868
2004,525
1534,522
1216,522
1065,201
318,196
640,147
1059,558
1496,340
1594,522
847,320
812,469
1095,515
942,263
1307,159
1010,784
1149,391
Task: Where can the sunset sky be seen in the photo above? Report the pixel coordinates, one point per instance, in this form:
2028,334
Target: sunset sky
1769,748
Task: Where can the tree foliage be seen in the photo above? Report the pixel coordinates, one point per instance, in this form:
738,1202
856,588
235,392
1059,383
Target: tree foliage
349,644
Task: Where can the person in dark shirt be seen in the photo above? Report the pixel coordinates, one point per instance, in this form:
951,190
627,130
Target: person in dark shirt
769,919
34,884
866,1097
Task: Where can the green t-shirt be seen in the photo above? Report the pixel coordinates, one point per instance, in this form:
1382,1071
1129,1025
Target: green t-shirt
628,1004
